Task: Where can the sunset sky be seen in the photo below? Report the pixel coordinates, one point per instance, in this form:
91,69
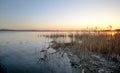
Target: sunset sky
59,14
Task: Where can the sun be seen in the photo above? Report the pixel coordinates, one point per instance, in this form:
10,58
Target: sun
112,28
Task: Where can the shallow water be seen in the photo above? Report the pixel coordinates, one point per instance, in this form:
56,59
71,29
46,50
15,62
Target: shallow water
20,53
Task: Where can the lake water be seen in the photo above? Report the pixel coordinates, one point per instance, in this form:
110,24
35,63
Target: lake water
20,53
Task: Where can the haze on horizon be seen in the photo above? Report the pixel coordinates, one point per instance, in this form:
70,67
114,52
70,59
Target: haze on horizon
59,14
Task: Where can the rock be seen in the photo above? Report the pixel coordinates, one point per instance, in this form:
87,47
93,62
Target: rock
83,71
69,53
74,60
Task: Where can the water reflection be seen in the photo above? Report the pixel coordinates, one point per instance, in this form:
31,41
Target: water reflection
21,51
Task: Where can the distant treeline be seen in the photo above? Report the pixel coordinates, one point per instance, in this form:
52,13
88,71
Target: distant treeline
58,30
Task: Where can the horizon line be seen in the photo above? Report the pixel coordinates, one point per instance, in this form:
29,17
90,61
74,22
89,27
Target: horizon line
56,30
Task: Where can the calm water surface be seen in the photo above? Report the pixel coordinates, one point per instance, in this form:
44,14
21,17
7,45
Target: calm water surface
20,53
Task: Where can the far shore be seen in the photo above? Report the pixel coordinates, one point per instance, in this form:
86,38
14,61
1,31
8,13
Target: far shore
12,30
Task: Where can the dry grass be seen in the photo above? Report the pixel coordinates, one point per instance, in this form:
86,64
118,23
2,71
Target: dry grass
103,43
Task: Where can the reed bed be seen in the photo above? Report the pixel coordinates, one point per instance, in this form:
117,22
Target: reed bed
103,43
98,42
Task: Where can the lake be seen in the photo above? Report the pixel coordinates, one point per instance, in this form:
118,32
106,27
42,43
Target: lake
20,53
